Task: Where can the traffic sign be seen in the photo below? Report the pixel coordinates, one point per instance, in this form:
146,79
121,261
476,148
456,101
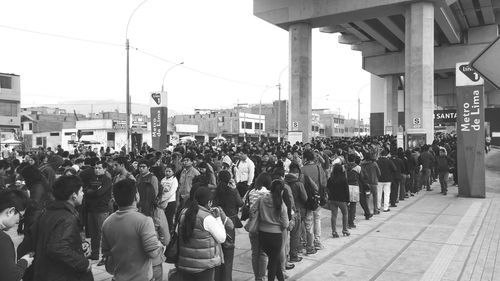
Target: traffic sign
295,125
487,63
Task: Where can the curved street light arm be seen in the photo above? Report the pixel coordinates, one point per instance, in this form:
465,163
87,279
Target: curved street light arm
131,15
168,70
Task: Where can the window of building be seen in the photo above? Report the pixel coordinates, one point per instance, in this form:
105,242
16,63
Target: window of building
54,134
336,130
5,82
8,108
30,126
68,133
246,125
335,120
259,126
39,141
341,121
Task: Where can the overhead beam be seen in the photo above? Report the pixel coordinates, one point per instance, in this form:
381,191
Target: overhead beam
487,11
351,29
377,36
470,12
447,23
332,29
393,27
349,39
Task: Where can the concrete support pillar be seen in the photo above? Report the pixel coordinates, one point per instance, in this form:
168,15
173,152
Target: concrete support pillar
391,111
419,70
300,105
378,105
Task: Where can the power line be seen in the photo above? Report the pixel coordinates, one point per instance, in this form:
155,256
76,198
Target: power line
201,71
62,36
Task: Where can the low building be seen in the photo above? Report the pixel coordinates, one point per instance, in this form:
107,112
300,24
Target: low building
10,117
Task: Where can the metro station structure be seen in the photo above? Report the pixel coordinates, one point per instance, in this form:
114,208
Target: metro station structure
410,47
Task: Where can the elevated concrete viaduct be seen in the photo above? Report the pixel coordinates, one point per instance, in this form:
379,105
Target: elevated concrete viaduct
409,46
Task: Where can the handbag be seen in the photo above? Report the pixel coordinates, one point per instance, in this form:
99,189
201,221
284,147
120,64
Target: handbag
172,250
252,225
245,210
353,193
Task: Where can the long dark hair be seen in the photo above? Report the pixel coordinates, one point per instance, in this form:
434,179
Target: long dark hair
264,179
277,187
202,196
222,187
147,199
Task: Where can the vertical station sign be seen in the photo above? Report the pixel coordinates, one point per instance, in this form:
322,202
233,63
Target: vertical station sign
159,120
470,131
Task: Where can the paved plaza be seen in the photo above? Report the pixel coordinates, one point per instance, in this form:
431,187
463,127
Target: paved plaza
427,237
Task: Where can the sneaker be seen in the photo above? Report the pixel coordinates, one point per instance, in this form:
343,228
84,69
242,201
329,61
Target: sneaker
393,205
295,259
311,252
377,212
388,210
289,266
412,194
351,226
318,246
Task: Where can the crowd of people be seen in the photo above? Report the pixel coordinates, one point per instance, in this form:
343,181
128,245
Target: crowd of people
185,202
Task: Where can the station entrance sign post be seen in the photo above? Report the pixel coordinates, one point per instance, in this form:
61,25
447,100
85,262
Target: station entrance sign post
159,120
470,132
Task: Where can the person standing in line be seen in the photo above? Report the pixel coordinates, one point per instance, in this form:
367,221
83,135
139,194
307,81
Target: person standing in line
370,173
129,240
300,198
273,220
168,203
12,207
338,192
228,198
246,171
97,197
387,171
426,160
146,176
444,162
148,206
259,258
201,231
186,179
317,175
56,235
353,171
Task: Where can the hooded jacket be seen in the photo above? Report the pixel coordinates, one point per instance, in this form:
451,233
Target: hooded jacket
270,220
370,172
298,190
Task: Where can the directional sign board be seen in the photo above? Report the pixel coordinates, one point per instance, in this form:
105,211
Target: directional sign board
487,63
470,131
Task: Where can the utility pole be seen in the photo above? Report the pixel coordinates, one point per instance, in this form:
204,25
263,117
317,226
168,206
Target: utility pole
359,120
279,112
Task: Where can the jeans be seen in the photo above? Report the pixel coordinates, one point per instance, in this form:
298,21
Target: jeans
259,258
207,275
352,212
95,221
385,188
415,180
376,202
443,181
425,178
170,214
285,249
394,191
307,219
379,195
335,206
363,201
295,246
224,272
271,244
402,186
158,272
317,226
242,188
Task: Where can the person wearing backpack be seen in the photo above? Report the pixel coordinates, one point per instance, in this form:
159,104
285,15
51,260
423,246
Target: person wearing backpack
300,198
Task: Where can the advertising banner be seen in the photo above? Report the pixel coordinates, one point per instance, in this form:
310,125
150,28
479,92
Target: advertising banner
470,132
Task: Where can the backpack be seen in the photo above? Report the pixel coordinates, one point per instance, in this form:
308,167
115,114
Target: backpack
352,175
313,197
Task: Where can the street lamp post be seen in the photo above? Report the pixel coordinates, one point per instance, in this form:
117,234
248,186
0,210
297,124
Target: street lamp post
279,103
168,70
127,87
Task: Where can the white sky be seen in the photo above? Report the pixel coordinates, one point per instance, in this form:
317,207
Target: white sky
222,38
